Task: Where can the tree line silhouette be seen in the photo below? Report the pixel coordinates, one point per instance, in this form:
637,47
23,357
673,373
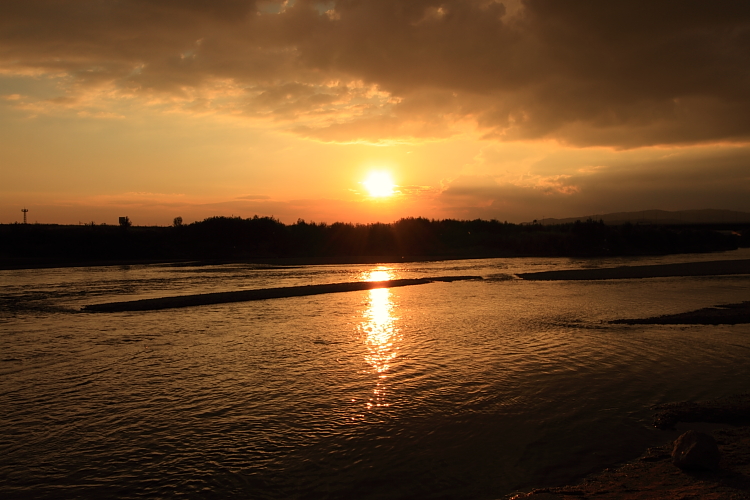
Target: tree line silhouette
259,238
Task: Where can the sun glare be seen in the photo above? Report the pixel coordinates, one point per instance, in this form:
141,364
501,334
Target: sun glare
379,184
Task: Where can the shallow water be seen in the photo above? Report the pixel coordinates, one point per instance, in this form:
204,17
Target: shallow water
446,390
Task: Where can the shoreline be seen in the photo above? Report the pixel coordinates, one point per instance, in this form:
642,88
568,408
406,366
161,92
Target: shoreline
284,262
652,475
718,267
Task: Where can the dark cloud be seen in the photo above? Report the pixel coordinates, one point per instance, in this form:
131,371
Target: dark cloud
617,73
695,179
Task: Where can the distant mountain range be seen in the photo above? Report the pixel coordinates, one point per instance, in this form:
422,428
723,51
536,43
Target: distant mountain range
708,216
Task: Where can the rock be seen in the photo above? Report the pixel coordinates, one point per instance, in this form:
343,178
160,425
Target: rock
695,450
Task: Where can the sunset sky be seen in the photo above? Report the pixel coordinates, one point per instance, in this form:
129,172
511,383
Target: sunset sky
513,110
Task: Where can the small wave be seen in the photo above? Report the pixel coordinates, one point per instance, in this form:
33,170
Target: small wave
325,342
500,277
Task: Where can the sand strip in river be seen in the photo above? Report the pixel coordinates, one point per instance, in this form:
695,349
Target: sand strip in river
710,268
724,314
260,294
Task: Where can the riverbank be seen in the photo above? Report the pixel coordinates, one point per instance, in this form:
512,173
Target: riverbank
266,263
653,475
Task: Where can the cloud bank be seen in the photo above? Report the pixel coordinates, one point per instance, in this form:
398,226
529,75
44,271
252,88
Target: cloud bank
617,74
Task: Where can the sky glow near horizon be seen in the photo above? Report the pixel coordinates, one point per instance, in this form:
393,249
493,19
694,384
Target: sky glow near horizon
507,110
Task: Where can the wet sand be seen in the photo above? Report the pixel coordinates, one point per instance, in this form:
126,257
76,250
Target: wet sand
654,476
711,268
261,294
729,410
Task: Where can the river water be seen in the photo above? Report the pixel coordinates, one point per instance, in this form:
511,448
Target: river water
470,389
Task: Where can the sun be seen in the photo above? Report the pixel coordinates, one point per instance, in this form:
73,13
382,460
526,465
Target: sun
379,184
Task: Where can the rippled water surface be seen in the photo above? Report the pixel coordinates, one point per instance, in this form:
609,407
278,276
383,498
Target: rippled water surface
468,389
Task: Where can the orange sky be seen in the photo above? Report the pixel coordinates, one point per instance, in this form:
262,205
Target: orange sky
476,108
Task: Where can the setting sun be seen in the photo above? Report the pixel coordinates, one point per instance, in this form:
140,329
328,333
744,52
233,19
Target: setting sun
379,184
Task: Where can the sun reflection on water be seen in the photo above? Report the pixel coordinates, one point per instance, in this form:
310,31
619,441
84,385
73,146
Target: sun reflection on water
381,336
379,274
380,330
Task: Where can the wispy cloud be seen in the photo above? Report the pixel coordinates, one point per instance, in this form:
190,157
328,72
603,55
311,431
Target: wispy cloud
253,197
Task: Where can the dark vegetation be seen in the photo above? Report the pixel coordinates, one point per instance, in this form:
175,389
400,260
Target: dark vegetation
267,239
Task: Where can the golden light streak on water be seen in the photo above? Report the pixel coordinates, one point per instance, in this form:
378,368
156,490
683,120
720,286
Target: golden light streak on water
382,336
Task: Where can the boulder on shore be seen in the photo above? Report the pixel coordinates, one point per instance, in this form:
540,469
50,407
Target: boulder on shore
695,450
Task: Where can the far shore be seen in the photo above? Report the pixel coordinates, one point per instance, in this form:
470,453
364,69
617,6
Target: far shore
719,267
18,264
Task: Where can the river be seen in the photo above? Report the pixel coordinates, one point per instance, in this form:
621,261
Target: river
469,389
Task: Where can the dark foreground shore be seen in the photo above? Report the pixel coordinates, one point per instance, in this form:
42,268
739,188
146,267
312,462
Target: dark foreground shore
711,268
261,294
654,476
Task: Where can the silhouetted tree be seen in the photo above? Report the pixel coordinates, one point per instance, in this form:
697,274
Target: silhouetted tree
266,237
177,221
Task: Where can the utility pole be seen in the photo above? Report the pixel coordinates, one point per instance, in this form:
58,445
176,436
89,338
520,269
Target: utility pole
25,211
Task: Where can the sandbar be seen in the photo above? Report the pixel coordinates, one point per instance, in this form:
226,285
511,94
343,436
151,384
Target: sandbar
724,314
709,268
261,294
